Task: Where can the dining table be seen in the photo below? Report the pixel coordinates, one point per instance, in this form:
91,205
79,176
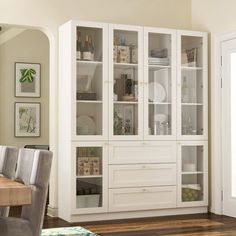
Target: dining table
13,193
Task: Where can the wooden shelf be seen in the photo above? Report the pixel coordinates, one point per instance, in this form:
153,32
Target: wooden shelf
89,63
192,173
125,102
192,104
88,176
191,68
159,103
125,65
157,67
88,101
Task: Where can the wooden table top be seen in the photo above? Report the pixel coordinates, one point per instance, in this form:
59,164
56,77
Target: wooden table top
13,193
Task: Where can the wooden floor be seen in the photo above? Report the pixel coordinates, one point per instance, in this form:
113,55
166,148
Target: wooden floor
186,225
190,225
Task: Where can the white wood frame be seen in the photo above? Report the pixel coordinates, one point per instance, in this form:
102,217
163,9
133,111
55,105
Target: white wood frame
216,121
75,210
121,176
168,157
204,202
139,30
205,86
69,140
172,33
165,197
104,28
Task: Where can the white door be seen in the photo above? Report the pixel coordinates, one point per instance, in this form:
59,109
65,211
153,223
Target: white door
229,126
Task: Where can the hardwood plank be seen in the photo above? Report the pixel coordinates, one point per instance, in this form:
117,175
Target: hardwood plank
183,225
13,193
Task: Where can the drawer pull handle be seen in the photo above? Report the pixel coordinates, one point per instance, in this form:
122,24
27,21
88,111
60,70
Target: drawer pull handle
144,190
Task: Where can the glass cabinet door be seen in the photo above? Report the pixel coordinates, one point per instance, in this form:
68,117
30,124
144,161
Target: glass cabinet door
193,86
193,172
90,81
159,64
125,84
89,187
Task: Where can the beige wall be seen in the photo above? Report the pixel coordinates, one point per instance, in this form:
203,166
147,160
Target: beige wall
163,13
29,46
214,15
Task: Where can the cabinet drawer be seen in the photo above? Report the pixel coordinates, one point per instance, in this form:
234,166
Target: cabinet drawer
142,175
142,152
131,199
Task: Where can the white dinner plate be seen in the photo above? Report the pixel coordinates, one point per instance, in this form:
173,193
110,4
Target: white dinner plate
157,92
85,125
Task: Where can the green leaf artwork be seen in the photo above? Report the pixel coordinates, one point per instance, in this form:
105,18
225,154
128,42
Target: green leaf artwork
27,75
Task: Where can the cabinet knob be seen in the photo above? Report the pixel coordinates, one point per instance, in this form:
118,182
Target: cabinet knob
144,190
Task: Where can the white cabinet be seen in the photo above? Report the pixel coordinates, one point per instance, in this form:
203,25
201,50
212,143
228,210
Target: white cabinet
193,173
159,84
131,99
126,82
89,166
132,199
192,109
142,175
142,152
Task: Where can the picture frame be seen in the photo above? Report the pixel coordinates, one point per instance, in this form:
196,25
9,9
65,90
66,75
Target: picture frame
27,79
27,119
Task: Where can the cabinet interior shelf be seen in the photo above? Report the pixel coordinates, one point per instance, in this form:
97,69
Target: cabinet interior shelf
192,104
89,101
157,67
92,63
125,65
191,68
88,176
192,173
125,102
159,103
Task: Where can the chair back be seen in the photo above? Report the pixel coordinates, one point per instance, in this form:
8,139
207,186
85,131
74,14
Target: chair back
8,160
33,169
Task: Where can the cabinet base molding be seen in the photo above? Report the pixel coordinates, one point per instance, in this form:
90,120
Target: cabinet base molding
52,211
136,214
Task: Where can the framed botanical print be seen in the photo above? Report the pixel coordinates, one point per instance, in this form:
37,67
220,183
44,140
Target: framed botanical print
27,79
27,119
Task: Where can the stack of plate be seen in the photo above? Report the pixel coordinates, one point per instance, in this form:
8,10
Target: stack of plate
158,61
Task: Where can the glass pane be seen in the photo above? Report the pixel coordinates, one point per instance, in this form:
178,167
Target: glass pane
192,173
89,177
125,89
233,125
192,86
159,84
89,81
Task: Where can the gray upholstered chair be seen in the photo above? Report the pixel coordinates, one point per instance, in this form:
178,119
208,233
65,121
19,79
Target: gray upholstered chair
33,169
8,160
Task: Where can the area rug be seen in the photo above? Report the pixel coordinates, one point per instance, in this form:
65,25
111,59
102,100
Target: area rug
68,231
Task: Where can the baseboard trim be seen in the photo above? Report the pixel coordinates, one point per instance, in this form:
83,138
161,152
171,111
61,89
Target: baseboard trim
136,214
51,211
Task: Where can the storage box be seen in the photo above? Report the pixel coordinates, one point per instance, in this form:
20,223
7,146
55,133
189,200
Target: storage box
87,201
123,54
